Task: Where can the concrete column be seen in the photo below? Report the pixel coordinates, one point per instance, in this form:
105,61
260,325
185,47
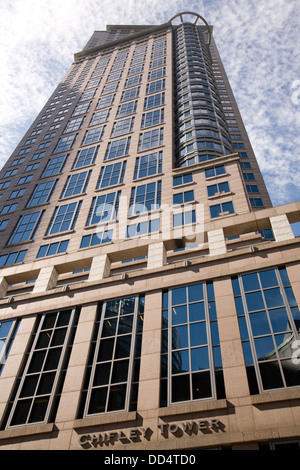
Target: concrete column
149,383
235,377
46,280
216,241
14,360
3,286
157,255
71,391
100,268
281,228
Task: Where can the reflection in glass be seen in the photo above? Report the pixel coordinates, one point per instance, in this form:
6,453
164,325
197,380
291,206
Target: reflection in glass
199,358
250,282
197,311
265,348
268,278
179,315
198,334
180,361
279,320
259,323
179,296
195,292
179,337
254,301
273,297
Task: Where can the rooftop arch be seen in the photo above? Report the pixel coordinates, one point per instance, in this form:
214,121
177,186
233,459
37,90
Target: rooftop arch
197,18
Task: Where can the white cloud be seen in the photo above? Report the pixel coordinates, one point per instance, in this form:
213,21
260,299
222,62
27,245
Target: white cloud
257,42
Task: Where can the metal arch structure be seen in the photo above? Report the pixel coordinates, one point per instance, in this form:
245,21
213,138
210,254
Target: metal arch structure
198,17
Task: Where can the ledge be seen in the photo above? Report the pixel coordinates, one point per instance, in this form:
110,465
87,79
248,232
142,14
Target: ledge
108,418
276,396
193,408
27,430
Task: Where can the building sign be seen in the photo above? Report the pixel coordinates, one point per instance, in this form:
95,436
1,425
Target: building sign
138,434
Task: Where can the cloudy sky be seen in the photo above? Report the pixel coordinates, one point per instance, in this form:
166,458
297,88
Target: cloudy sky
258,42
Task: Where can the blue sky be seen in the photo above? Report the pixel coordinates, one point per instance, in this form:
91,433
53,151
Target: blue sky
258,42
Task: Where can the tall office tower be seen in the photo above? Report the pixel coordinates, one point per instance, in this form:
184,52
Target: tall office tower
149,291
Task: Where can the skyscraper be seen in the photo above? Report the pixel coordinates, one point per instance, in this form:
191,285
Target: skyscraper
149,291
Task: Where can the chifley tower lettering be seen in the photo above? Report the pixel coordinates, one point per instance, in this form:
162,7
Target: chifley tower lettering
136,434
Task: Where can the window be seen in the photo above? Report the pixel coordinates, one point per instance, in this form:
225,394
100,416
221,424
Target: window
150,139
81,109
12,258
86,157
154,100
32,167
186,196
256,202
17,193
132,81
10,173
53,249
191,364
93,135
64,218
215,171
145,197
25,179
148,165
218,210
103,208
55,166
252,188
122,127
65,143
97,238
87,95
218,188
110,88
117,148
111,175
100,117
158,73
142,228
38,155
183,179
113,366
127,108
76,184
3,223
155,86
248,176
130,94
8,330
184,218
269,321
17,161
9,208
5,184
135,70
42,193
157,63
153,118
36,396
73,125
26,227
105,101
